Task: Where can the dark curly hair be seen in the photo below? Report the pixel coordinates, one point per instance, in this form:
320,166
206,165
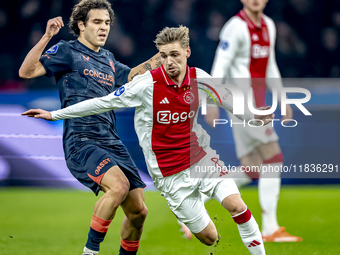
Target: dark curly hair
81,10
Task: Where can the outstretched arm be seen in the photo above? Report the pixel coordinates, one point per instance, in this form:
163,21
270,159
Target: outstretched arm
38,114
148,65
128,96
84,108
31,67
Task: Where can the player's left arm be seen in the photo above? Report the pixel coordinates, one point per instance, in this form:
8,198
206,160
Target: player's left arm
273,76
148,65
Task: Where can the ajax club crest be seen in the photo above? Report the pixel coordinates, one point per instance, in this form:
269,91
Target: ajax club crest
188,97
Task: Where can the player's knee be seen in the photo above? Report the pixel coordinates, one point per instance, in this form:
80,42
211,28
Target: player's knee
144,213
119,191
237,209
234,204
210,239
208,235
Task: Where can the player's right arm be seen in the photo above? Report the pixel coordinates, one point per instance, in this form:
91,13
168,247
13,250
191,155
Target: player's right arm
230,40
32,67
127,96
226,51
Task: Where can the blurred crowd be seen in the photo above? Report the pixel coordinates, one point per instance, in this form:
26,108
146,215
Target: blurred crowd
308,42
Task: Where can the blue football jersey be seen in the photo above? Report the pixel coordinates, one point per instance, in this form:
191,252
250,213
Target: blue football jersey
81,74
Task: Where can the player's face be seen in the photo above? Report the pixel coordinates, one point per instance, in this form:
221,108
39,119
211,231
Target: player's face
96,30
255,5
174,59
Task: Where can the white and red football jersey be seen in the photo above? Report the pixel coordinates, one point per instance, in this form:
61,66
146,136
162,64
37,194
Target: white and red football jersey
248,51
165,117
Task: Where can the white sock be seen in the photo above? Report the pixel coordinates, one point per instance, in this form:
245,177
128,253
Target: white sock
251,235
240,178
86,250
269,191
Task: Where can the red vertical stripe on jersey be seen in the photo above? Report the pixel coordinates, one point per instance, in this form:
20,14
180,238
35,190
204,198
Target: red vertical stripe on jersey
259,55
175,145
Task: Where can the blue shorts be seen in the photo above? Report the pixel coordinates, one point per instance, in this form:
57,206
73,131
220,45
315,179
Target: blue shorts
91,161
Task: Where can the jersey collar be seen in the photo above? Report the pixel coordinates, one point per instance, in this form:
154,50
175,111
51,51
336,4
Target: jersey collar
245,17
88,49
169,82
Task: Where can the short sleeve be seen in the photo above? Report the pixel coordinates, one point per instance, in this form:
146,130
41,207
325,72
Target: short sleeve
121,73
230,38
57,59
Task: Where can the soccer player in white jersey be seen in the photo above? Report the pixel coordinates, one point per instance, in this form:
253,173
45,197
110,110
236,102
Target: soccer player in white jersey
246,50
166,101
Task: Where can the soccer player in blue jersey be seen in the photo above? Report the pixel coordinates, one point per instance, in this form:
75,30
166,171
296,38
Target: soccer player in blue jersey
93,151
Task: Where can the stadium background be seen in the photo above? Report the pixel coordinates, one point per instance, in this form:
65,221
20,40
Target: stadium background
307,52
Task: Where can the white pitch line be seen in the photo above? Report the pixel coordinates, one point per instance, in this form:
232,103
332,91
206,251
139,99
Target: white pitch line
11,114
30,136
32,157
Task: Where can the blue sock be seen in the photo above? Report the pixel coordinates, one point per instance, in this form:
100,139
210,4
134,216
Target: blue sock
94,239
124,252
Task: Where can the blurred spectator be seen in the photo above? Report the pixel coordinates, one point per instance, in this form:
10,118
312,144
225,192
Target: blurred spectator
209,40
290,50
330,39
336,19
181,12
3,19
30,8
307,39
330,64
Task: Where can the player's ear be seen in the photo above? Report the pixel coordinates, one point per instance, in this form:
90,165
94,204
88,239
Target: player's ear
81,25
188,52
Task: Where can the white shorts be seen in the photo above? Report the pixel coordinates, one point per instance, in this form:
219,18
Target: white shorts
247,138
183,194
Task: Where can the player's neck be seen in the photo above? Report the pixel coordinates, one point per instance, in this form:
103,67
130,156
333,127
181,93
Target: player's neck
255,17
87,44
179,79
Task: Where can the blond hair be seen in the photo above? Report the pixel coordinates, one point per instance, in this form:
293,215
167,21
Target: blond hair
173,34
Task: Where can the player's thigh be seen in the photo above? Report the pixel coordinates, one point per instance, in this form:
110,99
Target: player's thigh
114,180
219,188
192,212
184,199
269,150
89,164
253,158
216,185
127,166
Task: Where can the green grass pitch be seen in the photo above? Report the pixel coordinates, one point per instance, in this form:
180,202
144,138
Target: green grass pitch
56,222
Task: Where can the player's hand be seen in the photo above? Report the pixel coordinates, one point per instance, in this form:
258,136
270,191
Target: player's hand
38,114
265,118
289,113
53,26
213,112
